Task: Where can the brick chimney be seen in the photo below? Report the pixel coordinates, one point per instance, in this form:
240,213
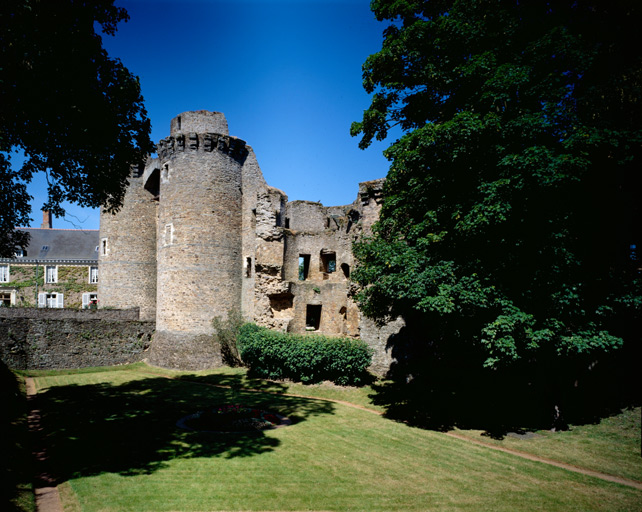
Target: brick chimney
46,220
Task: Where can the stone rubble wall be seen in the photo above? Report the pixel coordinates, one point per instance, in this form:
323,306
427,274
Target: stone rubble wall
127,253
57,339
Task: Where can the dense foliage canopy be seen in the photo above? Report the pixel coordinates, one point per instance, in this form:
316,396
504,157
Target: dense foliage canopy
510,214
75,113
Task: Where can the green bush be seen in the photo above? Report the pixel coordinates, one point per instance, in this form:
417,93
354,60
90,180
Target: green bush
306,358
226,333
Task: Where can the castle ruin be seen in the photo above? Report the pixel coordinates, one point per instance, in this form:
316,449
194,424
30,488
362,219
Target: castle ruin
201,233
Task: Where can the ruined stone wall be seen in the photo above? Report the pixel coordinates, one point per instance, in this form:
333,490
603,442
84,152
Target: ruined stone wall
263,214
321,239
127,253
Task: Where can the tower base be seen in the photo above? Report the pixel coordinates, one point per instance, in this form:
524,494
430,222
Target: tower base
184,351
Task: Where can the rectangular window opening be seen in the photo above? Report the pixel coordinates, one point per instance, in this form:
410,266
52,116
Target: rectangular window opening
248,267
4,273
328,261
169,234
51,274
312,317
5,299
93,275
103,245
50,300
304,266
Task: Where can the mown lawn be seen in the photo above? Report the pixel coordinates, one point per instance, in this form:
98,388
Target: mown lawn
113,439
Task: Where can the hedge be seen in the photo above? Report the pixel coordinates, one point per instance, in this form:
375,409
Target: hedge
305,358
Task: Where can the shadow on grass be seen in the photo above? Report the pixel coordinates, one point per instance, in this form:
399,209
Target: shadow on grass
439,386
131,428
16,492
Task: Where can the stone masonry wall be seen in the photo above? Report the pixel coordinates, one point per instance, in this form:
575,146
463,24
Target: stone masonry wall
35,340
127,253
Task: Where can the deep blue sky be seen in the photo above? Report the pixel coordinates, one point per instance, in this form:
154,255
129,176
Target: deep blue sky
286,73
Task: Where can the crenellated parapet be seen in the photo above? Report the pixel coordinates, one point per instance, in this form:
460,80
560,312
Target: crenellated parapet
202,142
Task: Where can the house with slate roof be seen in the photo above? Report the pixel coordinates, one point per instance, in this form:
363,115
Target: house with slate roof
59,268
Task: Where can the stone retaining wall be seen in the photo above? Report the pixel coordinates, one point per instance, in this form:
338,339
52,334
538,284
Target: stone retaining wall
70,314
68,340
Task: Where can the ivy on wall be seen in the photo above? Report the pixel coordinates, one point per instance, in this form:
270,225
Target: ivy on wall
73,281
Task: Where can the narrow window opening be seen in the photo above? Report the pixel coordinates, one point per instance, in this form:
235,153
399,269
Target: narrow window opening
278,219
346,270
103,245
328,261
93,275
178,122
313,317
327,222
248,267
287,223
304,266
169,234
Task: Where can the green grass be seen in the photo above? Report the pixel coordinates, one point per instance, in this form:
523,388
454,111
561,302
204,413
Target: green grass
611,446
113,439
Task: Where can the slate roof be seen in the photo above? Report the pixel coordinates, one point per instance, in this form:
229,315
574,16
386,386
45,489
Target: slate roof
60,246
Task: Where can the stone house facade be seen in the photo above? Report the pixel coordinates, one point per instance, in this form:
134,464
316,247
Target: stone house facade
201,233
58,269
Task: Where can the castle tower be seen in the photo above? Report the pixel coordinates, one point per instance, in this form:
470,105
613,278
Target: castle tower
199,237
127,252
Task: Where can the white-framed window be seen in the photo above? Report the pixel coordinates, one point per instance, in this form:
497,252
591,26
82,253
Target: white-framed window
93,275
51,274
104,247
89,300
4,273
51,300
20,253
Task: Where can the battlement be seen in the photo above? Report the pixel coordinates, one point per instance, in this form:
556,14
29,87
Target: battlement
206,142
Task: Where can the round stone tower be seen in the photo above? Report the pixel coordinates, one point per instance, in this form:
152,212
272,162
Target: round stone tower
199,242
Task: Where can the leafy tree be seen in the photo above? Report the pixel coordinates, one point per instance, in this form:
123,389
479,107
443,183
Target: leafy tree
75,113
510,204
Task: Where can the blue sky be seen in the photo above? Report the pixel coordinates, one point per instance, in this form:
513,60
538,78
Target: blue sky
286,73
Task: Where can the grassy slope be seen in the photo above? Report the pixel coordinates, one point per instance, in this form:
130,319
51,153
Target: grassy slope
115,441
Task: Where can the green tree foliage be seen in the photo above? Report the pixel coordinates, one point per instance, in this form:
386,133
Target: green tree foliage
74,112
510,205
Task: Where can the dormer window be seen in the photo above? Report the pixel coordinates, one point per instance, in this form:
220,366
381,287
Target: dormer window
45,247
20,253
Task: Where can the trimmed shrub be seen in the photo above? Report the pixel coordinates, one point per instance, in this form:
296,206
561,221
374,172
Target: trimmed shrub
305,358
